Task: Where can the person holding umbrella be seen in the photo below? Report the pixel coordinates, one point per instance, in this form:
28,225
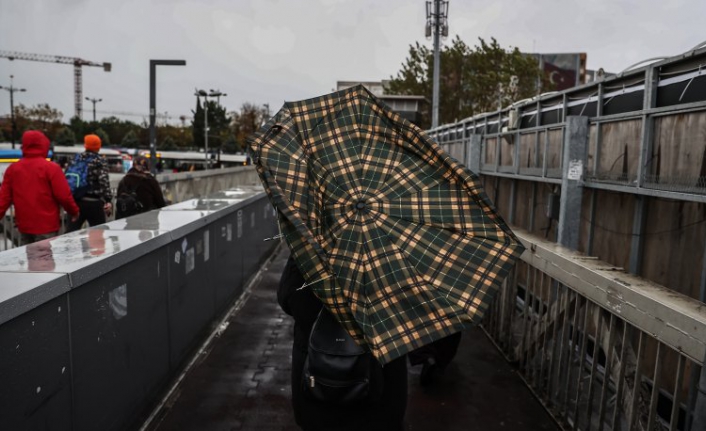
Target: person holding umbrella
435,357
393,237
384,414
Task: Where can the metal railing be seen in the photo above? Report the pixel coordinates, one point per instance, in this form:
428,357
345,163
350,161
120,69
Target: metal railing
601,349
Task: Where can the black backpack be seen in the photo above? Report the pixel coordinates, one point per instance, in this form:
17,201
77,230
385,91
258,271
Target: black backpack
336,369
127,204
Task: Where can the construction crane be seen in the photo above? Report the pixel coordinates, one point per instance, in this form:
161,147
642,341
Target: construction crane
77,62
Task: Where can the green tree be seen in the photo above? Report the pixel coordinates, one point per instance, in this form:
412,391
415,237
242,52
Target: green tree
168,144
197,124
246,122
39,117
471,80
65,136
130,140
115,128
79,127
230,145
218,122
105,139
179,137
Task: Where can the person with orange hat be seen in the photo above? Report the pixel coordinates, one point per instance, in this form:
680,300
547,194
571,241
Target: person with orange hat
36,187
96,200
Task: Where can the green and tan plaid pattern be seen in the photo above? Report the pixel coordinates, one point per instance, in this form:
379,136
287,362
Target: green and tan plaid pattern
393,235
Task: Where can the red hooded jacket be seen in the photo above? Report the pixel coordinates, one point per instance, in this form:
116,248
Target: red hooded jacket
36,187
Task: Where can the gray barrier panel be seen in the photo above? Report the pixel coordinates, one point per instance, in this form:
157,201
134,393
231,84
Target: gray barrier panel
35,392
95,324
230,278
192,291
120,342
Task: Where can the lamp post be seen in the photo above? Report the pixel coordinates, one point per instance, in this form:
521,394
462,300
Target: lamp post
94,101
267,112
436,18
11,89
153,108
212,93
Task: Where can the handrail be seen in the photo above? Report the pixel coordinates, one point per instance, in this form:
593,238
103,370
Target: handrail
674,319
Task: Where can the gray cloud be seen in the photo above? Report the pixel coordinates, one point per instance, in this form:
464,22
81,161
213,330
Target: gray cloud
268,51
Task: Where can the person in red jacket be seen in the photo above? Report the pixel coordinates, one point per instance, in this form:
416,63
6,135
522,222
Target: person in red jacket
36,187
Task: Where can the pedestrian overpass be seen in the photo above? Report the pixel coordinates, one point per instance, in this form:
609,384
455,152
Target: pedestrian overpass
167,320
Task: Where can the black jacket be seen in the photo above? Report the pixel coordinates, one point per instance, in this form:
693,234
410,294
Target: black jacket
146,187
312,415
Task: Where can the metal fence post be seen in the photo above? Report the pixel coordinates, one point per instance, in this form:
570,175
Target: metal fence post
699,423
574,157
474,153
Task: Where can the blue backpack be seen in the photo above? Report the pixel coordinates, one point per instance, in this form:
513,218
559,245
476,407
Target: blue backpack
77,176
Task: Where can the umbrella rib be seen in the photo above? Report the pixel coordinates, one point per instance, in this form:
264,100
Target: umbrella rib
347,98
415,271
336,110
314,282
370,183
408,256
323,180
390,181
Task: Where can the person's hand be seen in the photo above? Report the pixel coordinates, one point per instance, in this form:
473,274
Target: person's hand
75,217
108,208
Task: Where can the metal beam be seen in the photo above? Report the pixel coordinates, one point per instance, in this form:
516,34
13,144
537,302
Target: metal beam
574,158
474,153
644,191
675,319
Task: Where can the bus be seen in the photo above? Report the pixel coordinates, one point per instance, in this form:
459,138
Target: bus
63,155
189,161
8,156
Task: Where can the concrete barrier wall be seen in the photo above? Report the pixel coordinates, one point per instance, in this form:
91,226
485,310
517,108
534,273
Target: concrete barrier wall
187,185
176,188
95,324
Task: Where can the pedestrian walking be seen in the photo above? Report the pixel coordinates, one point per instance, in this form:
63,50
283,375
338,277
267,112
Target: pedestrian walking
383,414
435,357
36,187
138,191
394,238
88,178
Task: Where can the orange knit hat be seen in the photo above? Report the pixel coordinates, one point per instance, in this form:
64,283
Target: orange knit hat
92,143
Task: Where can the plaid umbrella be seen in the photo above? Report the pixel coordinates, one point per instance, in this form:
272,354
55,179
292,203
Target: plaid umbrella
394,236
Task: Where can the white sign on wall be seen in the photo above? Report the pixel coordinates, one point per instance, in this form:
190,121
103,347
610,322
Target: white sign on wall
575,170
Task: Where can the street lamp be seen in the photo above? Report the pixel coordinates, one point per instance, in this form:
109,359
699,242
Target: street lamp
267,113
94,101
11,89
212,93
153,108
437,24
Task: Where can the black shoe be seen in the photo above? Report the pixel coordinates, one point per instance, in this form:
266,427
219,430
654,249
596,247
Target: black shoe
426,378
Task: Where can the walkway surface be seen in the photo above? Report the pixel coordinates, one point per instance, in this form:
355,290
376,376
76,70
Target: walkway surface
242,381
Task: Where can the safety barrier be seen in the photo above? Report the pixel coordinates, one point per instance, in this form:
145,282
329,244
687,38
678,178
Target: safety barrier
176,187
602,349
96,323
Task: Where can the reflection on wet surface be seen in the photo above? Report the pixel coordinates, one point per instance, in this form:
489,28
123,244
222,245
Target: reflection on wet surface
68,252
203,204
79,249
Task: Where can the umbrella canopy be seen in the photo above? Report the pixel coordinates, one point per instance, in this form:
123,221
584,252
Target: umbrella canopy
394,236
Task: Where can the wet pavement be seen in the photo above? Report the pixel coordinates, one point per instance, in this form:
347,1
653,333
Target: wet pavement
241,382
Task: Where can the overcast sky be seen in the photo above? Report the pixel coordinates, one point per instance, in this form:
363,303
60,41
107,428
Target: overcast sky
269,51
